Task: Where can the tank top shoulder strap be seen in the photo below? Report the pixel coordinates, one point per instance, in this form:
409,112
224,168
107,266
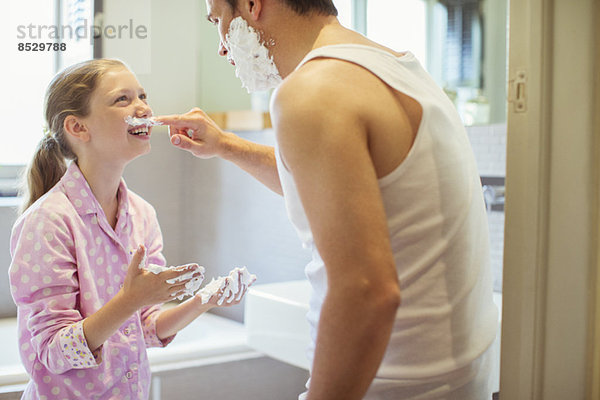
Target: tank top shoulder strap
352,52
399,72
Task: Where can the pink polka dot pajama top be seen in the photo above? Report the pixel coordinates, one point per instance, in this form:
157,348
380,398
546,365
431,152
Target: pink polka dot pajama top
67,262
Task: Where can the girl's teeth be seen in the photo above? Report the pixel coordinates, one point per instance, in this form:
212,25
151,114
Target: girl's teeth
140,131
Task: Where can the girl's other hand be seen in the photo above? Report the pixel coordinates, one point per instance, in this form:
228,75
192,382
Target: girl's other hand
225,297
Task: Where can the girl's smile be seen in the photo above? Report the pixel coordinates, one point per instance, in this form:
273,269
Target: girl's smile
142,131
140,126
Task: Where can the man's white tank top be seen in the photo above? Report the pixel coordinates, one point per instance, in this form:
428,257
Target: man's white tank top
438,230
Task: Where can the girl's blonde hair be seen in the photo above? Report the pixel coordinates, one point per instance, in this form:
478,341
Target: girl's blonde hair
69,93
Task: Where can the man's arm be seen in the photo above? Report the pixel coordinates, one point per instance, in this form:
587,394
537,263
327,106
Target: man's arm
324,144
208,140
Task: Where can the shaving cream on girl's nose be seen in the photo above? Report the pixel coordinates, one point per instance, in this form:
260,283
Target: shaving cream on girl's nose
141,121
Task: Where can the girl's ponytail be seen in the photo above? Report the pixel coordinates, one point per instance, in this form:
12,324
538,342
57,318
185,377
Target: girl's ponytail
43,172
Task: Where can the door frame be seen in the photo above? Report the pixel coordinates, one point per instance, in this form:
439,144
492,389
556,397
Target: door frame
593,377
551,305
526,207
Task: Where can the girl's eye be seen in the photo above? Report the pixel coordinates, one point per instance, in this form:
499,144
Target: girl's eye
122,98
143,96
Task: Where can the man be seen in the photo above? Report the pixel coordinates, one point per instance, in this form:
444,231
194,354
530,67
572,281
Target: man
380,182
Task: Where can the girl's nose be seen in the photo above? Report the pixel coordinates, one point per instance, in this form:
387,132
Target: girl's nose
143,111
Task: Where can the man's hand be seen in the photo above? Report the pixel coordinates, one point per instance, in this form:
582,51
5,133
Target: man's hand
195,132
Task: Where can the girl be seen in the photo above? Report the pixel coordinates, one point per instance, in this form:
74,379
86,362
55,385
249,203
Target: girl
86,312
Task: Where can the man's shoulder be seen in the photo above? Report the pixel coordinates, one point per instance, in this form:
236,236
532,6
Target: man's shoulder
317,104
323,73
319,86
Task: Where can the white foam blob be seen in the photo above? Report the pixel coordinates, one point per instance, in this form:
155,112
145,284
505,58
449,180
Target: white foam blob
232,286
253,64
132,121
191,287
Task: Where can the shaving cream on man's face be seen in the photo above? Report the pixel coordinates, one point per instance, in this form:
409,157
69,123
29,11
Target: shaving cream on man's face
253,64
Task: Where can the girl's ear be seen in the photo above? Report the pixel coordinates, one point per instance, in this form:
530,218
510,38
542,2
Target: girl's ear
76,129
254,8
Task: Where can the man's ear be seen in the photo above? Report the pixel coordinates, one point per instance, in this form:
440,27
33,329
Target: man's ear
76,129
254,8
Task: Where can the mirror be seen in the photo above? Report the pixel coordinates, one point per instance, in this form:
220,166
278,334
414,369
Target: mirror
462,44
468,56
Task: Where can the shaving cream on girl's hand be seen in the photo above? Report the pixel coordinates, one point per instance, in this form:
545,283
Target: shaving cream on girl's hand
191,287
232,286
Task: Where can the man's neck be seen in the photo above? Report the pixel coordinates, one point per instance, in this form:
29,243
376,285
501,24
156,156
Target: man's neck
299,36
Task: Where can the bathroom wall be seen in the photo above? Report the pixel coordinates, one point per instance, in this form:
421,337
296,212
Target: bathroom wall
7,217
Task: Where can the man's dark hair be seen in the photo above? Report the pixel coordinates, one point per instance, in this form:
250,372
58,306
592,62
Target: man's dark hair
304,7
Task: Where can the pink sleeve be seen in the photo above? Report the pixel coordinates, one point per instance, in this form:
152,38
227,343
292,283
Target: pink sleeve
45,287
75,349
149,315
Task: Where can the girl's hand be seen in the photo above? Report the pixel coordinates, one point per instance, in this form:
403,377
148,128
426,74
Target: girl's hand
226,297
142,288
232,290
214,301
